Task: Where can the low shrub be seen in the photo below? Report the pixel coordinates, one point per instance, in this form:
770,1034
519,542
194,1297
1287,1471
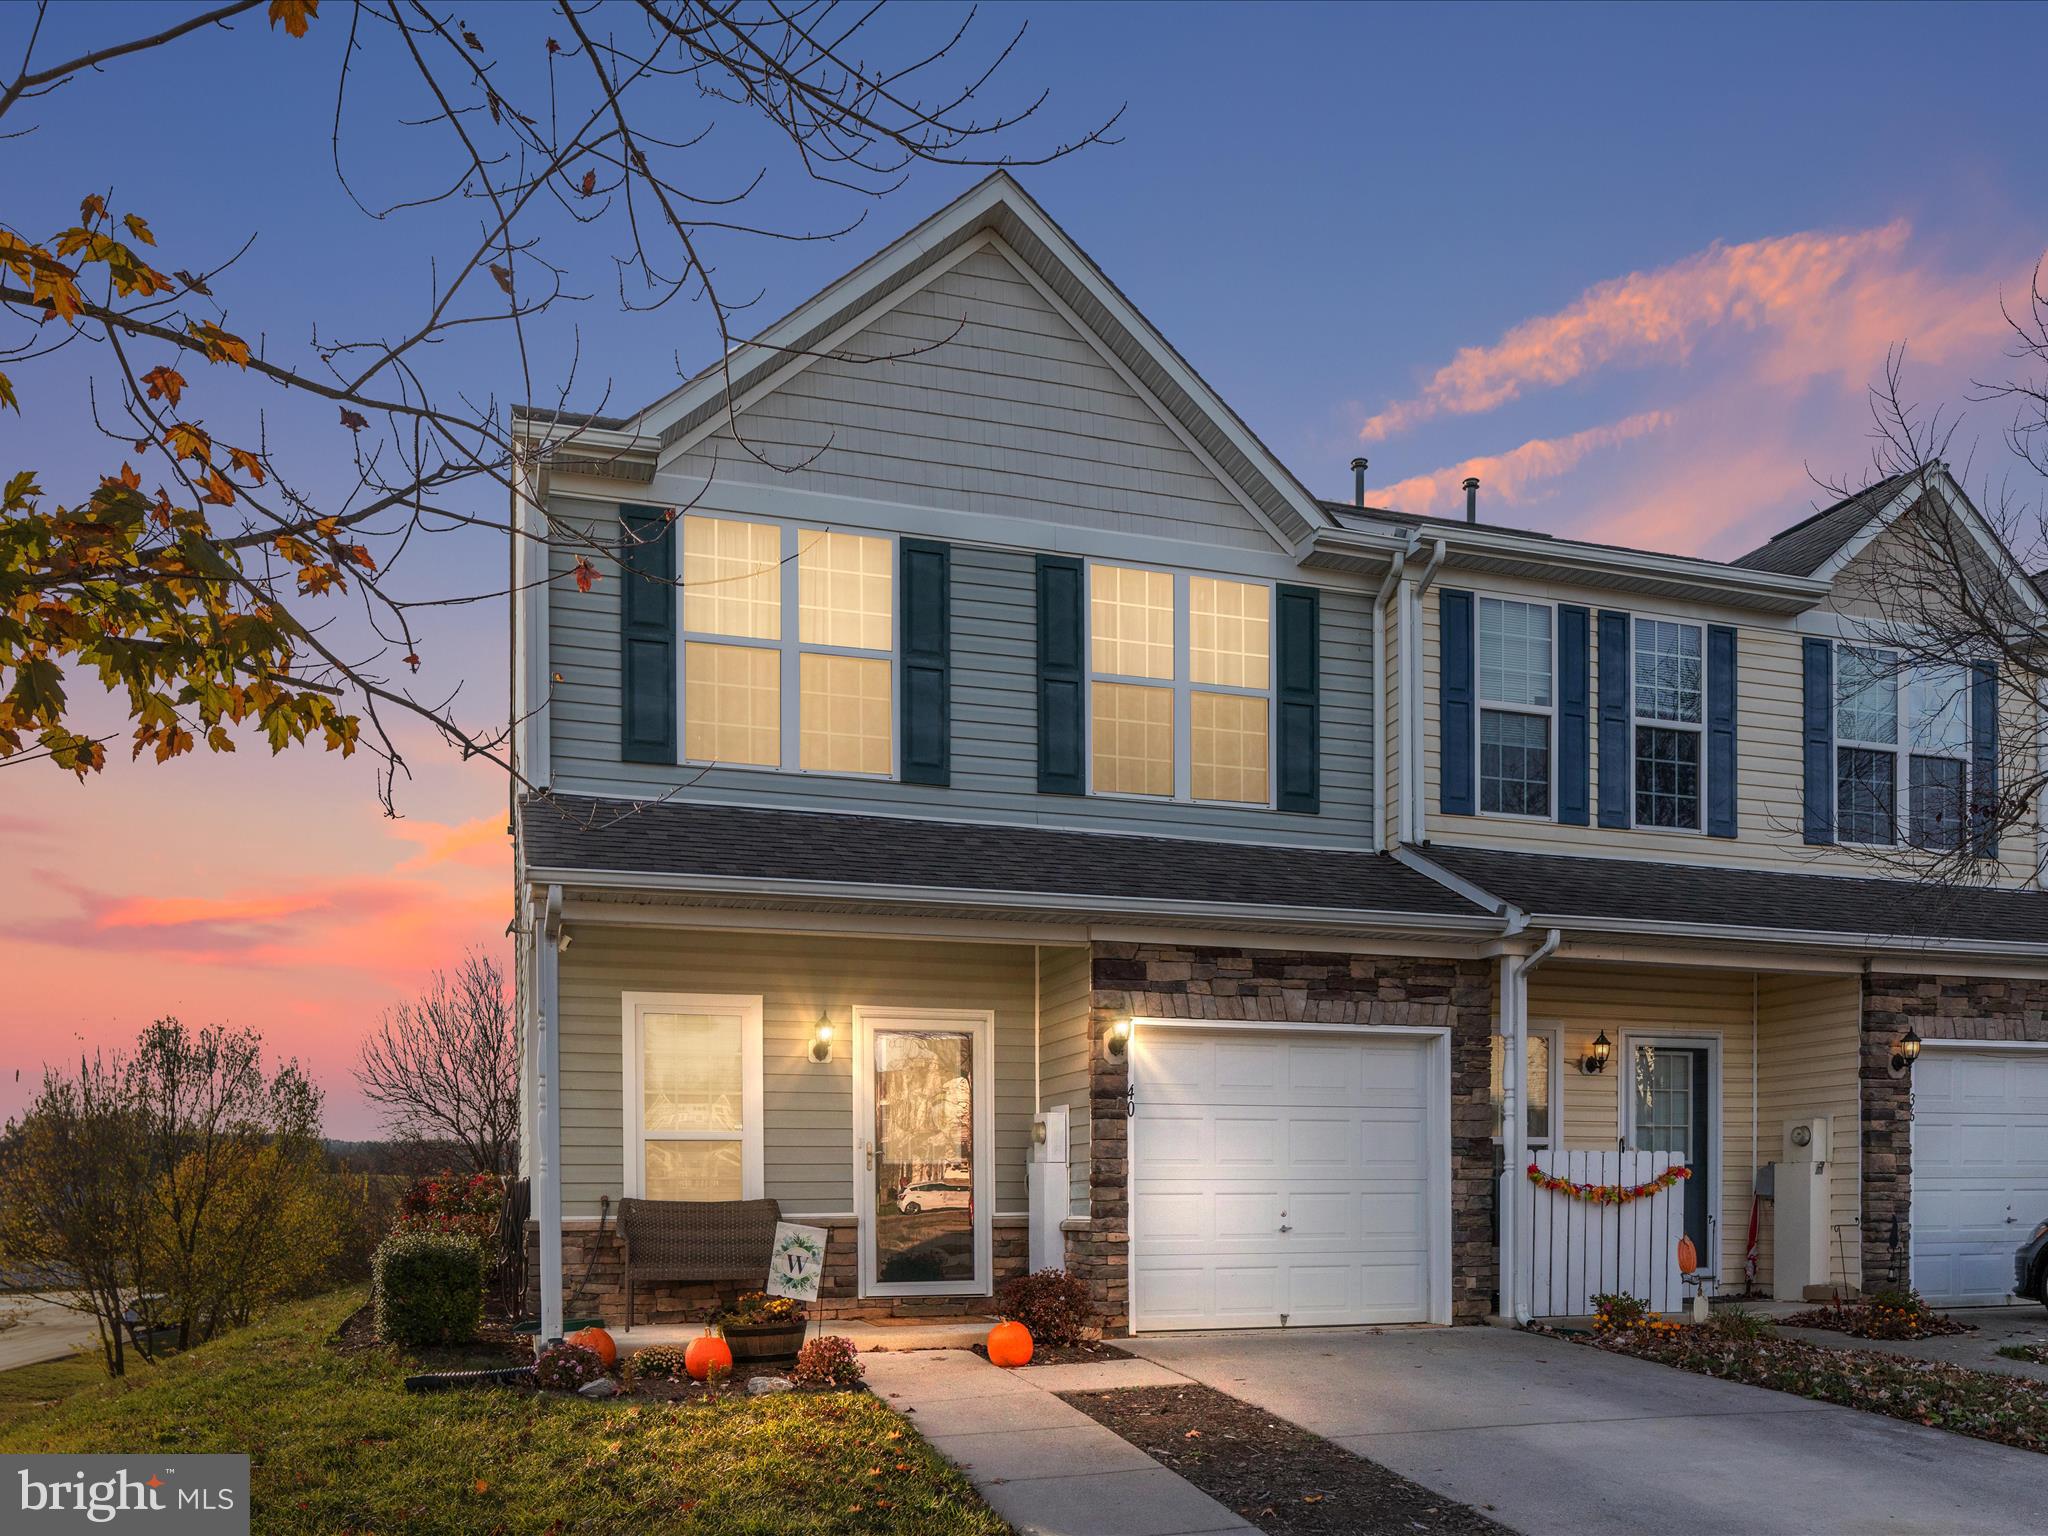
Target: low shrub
658,1362
566,1367
1740,1323
429,1288
1053,1304
452,1202
1617,1312
829,1361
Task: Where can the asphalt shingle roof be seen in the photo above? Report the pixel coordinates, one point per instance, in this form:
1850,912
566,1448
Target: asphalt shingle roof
1561,886
1806,546
679,838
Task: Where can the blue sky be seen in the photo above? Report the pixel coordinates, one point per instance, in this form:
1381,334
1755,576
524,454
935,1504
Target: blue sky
1638,263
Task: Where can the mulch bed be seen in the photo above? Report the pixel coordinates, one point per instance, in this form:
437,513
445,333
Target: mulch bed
1067,1354
1274,1474
1986,1405
495,1347
1877,1320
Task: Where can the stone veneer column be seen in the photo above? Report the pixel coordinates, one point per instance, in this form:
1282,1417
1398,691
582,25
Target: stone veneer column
1938,1008
1254,985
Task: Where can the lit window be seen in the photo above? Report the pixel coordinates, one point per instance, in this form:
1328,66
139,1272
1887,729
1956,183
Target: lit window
732,704
1902,740
1670,690
845,713
1180,710
845,590
1514,742
694,1112
732,582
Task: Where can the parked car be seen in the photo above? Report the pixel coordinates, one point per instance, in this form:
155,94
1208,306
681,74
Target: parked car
2030,1266
934,1196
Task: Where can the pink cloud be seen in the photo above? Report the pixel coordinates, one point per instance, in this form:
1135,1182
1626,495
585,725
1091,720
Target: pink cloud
480,843
1510,476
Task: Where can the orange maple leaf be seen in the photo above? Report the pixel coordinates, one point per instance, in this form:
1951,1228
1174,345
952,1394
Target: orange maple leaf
247,463
219,489
189,442
293,15
165,383
585,574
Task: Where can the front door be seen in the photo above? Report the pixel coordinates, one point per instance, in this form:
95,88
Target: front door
1670,1107
923,1151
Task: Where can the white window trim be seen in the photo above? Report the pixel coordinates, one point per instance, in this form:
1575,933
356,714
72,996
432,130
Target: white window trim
791,650
1553,1031
633,1005
1637,720
1182,686
1480,706
1900,750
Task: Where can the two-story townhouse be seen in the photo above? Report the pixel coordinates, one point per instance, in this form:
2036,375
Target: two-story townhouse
984,803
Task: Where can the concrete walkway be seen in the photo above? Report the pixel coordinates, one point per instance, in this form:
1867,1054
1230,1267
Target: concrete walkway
1557,1439
1044,1466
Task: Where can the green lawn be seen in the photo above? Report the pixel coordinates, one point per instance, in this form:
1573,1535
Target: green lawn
27,1390
339,1446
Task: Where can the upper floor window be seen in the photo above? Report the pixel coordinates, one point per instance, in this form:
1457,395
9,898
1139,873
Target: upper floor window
788,640
1902,739
1180,689
1670,700
1515,704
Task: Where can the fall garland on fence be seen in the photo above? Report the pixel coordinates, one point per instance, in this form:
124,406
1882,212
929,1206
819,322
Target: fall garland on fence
1607,1194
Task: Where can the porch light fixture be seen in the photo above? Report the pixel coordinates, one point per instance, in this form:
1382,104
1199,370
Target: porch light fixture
821,1039
1905,1053
1595,1060
1119,1039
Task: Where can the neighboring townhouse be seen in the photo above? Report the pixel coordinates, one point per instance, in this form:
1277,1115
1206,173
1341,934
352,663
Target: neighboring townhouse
1018,824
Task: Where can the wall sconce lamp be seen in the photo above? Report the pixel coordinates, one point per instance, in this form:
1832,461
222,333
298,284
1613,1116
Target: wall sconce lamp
1595,1060
1905,1053
821,1039
1119,1039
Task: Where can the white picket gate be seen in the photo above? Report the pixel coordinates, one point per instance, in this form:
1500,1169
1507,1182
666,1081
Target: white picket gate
1568,1250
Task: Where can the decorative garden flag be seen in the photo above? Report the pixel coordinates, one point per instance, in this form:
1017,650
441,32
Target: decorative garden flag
796,1262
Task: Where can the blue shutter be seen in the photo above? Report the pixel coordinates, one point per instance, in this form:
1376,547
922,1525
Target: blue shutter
1818,667
647,635
1297,618
1457,713
1984,758
1062,686
1721,701
1617,748
1574,715
924,614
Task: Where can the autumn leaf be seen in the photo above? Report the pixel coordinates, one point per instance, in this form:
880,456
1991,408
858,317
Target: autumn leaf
247,463
483,1485
553,46
135,226
503,275
589,182
293,15
193,281
352,420
7,395
219,346
189,442
412,659
90,207
586,574
165,383
360,556
473,40
220,491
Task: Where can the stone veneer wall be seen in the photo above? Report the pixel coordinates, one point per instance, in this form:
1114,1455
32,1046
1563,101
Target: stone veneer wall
1938,1008
1176,982
603,1293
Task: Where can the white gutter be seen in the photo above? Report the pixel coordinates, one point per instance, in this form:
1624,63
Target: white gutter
547,1171
1514,1018
1414,820
1411,543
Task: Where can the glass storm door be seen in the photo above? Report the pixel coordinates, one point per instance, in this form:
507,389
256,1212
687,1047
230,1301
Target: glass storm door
1670,1088
924,1154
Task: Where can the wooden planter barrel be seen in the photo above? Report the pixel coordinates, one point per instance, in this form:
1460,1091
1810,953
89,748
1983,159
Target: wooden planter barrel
763,1341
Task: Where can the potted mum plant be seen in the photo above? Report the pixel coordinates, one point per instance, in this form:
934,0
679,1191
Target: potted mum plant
758,1326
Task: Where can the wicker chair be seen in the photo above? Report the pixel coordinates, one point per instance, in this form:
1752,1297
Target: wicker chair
696,1240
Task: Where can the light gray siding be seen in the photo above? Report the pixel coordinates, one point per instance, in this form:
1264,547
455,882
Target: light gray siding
995,723
1063,1057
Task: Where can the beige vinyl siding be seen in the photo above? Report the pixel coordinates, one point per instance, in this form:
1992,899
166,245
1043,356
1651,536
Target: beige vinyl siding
1063,1057
989,401
1770,760
1808,1050
1583,1000
995,721
807,1134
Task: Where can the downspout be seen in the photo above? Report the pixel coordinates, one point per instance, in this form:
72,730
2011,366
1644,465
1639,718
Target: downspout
1414,802
1379,695
1514,1018
548,1142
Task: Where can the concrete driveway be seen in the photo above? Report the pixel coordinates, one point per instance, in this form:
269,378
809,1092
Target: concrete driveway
42,1330
1552,1437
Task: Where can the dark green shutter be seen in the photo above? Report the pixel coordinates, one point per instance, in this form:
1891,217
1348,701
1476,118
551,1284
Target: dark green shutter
1298,669
1062,685
1617,748
924,612
1574,715
1721,705
647,635
1818,669
1458,714
1984,759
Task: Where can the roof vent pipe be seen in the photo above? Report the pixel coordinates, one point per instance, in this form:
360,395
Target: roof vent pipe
1471,498
1358,483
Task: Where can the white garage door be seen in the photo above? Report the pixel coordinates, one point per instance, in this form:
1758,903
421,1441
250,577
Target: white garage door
1283,1180
1980,1168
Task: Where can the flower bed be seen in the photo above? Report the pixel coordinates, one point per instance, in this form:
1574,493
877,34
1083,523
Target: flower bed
1988,1405
1881,1317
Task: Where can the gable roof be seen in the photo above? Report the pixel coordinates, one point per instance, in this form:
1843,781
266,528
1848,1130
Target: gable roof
999,205
1809,544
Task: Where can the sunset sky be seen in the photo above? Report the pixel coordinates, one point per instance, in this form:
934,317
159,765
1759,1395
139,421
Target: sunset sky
1634,268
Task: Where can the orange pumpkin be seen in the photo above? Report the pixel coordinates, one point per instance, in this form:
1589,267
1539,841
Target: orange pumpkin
707,1353
1688,1256
599,1343
1009,1345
